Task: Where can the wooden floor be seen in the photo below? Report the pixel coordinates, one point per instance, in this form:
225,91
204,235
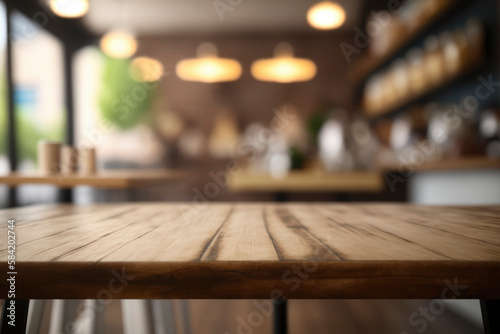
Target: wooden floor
306,316
324,316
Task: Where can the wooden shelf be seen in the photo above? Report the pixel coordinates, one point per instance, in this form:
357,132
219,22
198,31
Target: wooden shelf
367,65
309,181
346,181
112,179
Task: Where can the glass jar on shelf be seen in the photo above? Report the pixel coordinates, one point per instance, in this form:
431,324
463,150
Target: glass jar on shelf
373,99
474,35
463,50
415,71
451,54
433,61
399,79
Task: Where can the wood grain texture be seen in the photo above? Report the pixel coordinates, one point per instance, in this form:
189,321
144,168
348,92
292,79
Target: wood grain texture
112,179
309,181
291,250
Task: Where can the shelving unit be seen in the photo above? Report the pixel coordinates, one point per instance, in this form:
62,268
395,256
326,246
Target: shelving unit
451,16
452,89
427,94
367,65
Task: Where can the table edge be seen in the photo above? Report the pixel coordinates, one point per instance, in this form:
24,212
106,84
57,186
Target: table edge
249,279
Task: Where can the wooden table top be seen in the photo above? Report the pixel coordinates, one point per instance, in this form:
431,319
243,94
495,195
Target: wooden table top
309,181
301,250
115,179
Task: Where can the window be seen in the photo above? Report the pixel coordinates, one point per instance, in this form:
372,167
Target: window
4,163
38,97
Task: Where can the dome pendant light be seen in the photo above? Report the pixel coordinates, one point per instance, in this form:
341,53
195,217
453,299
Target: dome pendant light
119,43
284,67
146,69
70,9
326,15
208,67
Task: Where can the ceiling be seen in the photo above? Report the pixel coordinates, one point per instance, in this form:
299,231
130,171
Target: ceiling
150,17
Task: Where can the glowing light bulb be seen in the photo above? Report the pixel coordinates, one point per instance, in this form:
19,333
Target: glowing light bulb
146,69
326,15
284,67
208,67
69,8
118,44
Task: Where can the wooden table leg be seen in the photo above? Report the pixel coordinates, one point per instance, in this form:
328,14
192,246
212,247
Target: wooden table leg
21,316
280,325
490,310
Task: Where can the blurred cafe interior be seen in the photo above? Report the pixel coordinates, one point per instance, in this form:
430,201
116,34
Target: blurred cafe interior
255,101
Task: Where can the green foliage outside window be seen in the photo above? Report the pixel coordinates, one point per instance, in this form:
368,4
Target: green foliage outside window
123,101
28,135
